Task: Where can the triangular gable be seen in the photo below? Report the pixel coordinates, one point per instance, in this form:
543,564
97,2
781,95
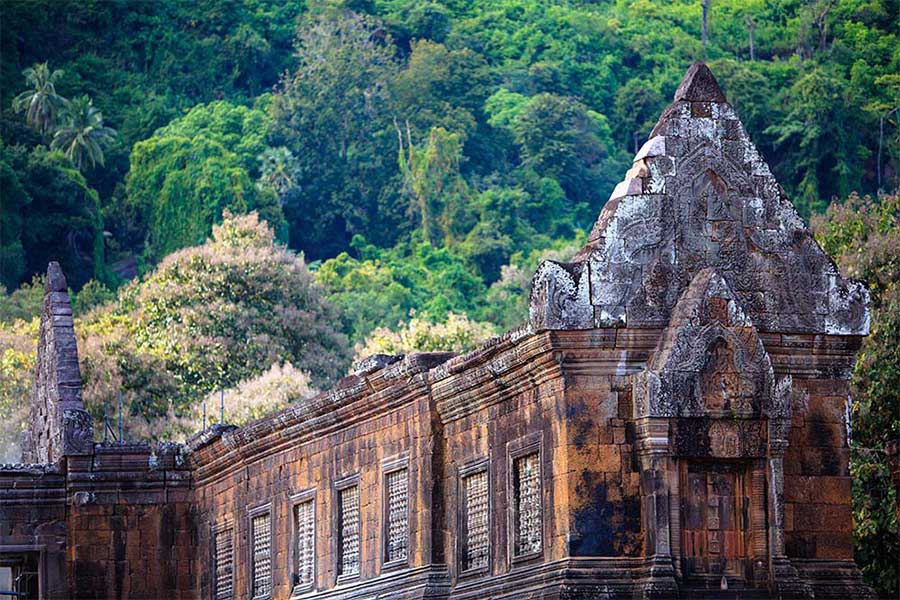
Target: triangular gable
699,195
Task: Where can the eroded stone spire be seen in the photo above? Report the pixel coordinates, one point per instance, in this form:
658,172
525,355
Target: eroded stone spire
59,425
699,195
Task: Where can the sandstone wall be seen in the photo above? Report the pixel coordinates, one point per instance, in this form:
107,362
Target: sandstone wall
379,421
130,524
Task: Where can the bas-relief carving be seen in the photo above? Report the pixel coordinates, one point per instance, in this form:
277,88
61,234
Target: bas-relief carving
718,438
709,362
78,432
559,298
699,195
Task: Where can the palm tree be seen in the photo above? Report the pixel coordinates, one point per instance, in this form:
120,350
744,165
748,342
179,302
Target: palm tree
41,102
82,133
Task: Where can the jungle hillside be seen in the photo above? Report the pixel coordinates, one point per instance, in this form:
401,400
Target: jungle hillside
248,195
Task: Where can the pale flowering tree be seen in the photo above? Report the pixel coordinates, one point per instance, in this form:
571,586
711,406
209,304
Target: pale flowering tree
276,388
457,334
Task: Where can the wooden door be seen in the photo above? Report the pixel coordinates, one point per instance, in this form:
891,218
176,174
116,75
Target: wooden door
714,519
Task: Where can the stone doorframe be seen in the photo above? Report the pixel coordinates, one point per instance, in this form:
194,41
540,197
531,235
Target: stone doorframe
753,485
663,440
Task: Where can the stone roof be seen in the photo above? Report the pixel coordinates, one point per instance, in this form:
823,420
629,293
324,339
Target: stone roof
699,195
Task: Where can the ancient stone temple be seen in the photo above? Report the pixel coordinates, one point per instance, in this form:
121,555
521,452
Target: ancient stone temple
672,422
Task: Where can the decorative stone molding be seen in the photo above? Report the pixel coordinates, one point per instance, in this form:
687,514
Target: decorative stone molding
373,363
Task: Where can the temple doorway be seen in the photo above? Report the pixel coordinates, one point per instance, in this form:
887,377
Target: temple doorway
714,519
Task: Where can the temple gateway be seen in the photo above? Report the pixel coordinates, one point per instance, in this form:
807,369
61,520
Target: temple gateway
672,422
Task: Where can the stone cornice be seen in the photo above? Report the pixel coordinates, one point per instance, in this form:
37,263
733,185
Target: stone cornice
353,399
812,355
509,365
461,385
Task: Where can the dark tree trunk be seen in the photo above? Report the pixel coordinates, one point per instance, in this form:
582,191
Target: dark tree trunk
705,5
750,27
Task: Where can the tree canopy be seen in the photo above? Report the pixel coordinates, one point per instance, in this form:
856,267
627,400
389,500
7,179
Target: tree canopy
188,172
863,234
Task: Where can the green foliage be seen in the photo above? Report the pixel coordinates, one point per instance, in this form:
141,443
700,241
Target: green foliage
560,138
207,318
82,133
12,219
280,171
436,189
18,344
183,177
864,237
513,220
441,87
504,108
220,313
384,286
40,103
534,91
237,128
24,303
457,334
92,294
331,112
49,213
823,135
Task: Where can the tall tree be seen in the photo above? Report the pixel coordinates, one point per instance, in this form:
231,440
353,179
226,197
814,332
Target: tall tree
821,137
48,212
82,134
705,5
189,171
751,27
333,112
431,177
40,102
12,218
561,138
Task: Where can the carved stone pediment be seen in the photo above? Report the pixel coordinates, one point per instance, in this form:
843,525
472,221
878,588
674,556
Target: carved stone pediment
709,362
699,195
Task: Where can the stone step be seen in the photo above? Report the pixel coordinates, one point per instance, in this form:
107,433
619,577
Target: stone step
737,593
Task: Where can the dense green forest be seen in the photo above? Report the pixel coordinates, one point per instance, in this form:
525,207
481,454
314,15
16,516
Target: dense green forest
291,184
490,129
